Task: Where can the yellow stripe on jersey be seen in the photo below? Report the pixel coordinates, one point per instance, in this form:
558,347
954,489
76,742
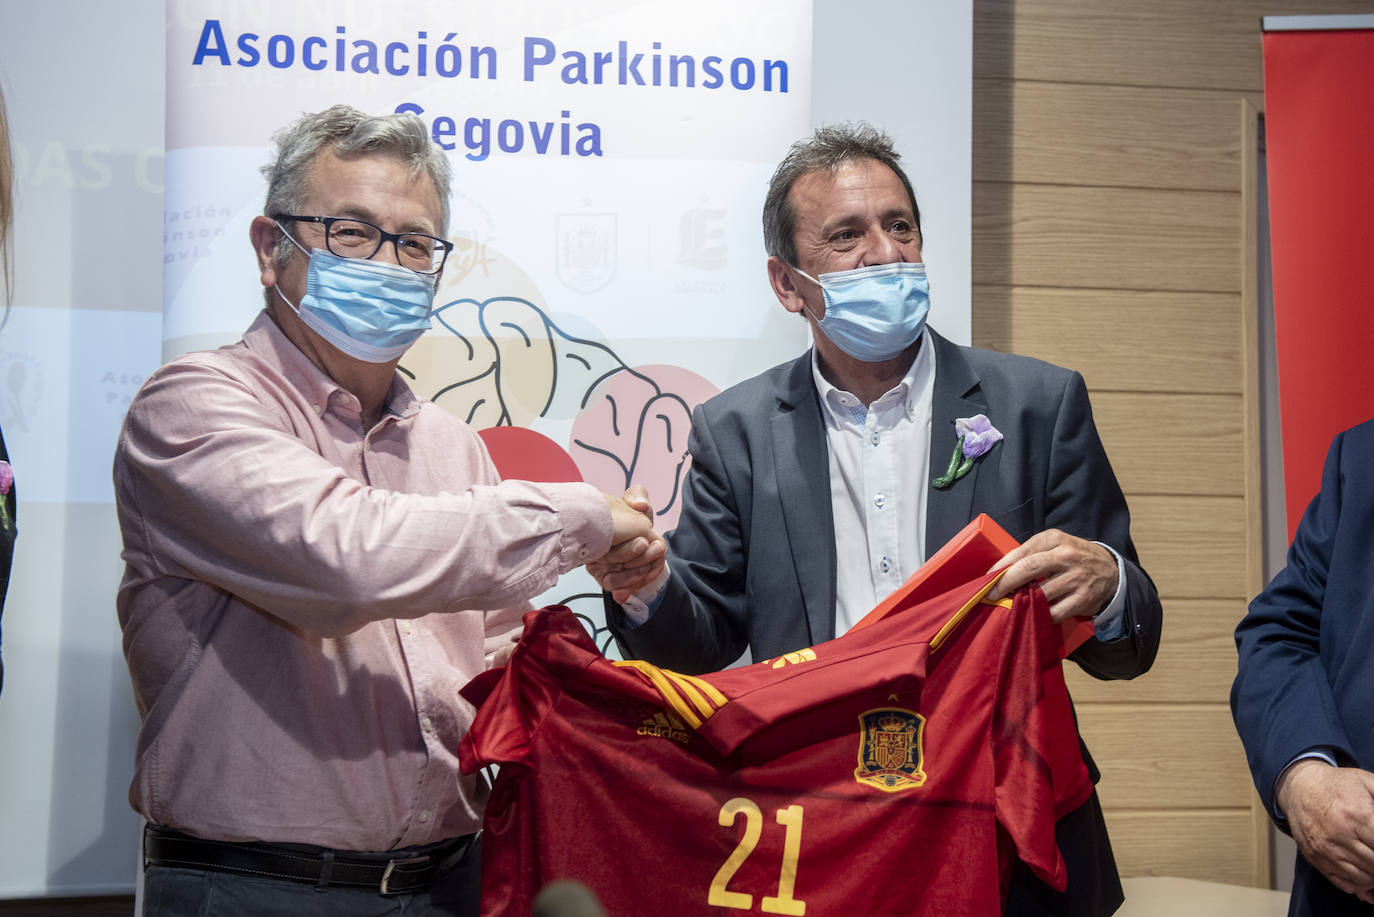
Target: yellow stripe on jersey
685,694
689,691
696,700
665,688
702,694
957,618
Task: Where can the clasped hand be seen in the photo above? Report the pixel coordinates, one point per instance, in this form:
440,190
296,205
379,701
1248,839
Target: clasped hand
638,553
1330,811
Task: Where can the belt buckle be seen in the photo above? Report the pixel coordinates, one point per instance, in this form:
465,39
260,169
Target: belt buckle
391,865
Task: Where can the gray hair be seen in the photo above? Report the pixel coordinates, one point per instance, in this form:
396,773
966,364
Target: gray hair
826,150
347,132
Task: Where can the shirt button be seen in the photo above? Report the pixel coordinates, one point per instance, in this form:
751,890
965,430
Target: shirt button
885,564
880,501
424,816
875,439
405,628
426,724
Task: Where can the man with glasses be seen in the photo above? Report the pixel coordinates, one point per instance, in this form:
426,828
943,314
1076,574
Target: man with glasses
317,561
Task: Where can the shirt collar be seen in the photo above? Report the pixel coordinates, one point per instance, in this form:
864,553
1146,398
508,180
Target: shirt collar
270,344
841,407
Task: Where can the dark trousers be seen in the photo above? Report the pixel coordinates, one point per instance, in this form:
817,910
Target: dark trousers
175,892
1094,888
1314,896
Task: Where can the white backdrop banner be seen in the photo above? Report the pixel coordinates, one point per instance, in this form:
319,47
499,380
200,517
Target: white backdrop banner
610,160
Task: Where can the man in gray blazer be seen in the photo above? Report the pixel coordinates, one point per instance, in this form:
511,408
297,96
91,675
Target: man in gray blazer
819,486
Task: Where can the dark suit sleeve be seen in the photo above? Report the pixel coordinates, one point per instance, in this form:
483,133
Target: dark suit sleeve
9,528
698,625
1281,699
1084,499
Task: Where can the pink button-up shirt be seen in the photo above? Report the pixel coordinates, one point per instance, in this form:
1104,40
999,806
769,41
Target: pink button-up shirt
303,598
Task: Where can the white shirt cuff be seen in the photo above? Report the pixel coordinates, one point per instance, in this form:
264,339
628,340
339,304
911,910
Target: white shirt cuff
1319,753
1109,623
639,606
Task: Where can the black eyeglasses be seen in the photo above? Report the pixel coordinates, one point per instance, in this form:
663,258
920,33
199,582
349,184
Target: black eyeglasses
350,238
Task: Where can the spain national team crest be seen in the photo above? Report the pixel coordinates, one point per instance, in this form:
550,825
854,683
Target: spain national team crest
890,749
586,250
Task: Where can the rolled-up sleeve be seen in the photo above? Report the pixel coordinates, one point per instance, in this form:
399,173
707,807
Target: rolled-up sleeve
221,483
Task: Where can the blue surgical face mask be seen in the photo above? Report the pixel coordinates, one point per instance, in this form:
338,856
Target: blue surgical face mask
874,313
370,310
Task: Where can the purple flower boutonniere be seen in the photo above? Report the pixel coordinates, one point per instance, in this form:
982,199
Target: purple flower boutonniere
6,482
976,436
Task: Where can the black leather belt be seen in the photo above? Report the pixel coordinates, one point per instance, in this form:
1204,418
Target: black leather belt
395,872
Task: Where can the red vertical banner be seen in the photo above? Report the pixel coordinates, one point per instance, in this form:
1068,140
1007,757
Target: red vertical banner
1319,133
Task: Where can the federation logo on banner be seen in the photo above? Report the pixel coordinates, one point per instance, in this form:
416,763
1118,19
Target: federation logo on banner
21,390
586,253
890,749
701,233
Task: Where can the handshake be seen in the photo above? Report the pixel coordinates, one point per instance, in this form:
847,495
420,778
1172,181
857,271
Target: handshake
638,554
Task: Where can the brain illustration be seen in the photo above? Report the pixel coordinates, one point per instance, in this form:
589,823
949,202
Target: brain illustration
507,369
634,427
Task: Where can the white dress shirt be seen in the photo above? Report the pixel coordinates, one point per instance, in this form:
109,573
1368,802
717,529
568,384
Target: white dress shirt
879,464
879,468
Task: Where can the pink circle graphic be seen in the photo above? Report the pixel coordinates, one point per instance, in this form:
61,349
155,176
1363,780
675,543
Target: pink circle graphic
633,429
522,454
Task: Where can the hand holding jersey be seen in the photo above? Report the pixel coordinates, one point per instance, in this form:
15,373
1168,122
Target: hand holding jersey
1079,577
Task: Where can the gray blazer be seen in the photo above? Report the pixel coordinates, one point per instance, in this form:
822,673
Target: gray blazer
753,556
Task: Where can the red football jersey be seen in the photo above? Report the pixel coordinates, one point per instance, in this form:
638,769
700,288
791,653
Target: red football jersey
894,770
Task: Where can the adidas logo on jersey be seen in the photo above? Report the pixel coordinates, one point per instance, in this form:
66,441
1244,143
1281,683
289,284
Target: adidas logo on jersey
665,726
806,655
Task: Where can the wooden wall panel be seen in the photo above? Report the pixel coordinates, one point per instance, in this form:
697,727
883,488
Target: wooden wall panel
1210,844
1167,756
1249,130
1162,43
1212,44
1112,211
1196,662
1192,337
1173,443
1114,238
1111,136
1193,547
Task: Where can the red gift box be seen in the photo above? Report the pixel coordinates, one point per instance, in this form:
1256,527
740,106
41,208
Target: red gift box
965,557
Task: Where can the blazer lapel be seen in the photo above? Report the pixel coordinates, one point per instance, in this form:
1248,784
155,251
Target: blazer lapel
957,394
802,467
